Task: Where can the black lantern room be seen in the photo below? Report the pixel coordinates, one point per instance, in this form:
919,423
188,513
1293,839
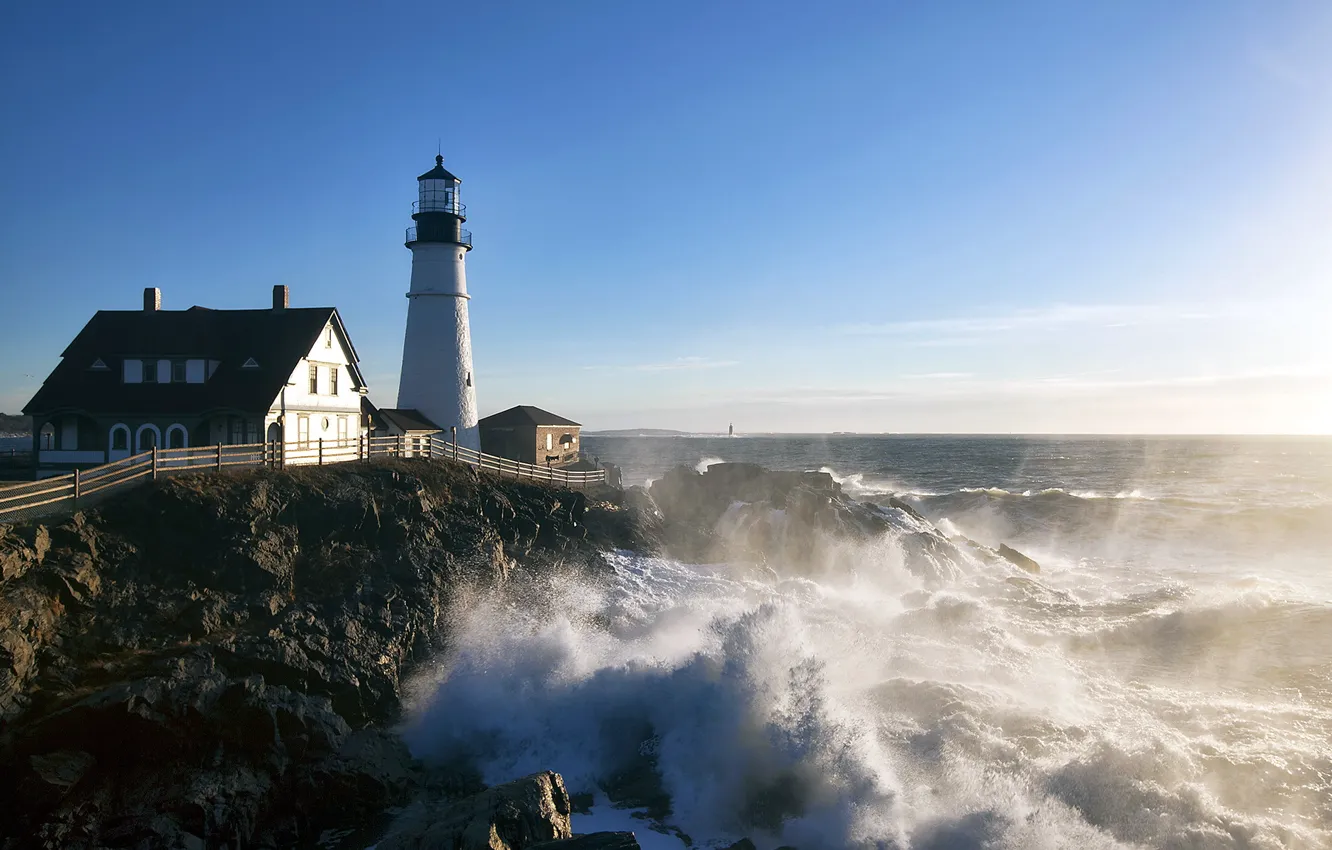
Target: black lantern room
439,211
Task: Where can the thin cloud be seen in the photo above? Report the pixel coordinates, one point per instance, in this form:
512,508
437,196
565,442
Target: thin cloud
965,330
958,385
1279,68
678,364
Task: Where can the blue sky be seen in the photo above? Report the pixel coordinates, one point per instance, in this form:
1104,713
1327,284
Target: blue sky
888,216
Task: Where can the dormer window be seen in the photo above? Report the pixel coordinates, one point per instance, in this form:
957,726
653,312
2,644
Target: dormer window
249,364
177,371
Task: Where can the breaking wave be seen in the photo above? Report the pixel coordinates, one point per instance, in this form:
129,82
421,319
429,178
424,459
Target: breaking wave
1099,704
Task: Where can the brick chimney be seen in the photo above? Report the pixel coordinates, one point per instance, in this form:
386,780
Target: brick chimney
280,297
152,299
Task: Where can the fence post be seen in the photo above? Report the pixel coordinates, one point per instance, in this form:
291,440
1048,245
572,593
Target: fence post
76,487
321,451
453,429
219,457
154,463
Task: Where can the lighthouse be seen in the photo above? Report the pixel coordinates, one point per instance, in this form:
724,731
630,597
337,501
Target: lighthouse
437,348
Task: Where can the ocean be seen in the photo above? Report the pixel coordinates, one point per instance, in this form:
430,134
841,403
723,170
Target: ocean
1164,682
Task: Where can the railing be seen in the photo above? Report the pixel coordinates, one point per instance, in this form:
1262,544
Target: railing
442,204
464,236
67,492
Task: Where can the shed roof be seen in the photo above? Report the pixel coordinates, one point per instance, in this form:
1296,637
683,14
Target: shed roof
275,340
525,414
407,419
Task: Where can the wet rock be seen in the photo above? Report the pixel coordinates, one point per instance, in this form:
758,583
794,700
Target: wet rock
1018,559
513,816
581,802
62,768
593,841
741,512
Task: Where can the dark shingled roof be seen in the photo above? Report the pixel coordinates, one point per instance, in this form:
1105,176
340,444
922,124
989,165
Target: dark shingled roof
439,172
525,414
407,419
275,339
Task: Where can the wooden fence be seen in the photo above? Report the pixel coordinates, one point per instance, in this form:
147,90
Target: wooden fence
82,487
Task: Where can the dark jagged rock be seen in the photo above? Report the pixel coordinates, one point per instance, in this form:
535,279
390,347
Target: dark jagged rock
743,512
593,841
532,811
209,660
1020,560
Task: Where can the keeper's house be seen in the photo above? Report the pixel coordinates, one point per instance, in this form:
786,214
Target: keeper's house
531,435
135,379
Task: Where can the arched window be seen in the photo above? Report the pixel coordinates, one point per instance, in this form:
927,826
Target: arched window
147,438
177,438
120,438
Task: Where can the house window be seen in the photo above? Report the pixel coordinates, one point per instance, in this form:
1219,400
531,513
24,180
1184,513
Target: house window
333,380
133,371
314,379
342,429
550,441
150,371
177,371
328,337
120,438
176,437
303,432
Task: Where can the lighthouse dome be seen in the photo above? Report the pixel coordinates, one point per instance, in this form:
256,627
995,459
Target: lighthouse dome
439,172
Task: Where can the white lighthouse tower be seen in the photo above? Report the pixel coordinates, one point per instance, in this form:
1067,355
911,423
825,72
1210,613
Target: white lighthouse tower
437,349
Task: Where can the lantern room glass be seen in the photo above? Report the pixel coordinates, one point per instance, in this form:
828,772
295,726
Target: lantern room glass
439,196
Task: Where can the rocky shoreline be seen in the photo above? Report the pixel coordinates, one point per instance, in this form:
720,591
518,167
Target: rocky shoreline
218,660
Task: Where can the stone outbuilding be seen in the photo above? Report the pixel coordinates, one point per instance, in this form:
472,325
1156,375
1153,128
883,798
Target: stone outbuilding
531,435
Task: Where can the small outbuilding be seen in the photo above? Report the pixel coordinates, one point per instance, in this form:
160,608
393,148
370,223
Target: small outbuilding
397,422
531,435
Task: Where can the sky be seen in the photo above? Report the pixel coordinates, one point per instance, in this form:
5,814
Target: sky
1034,217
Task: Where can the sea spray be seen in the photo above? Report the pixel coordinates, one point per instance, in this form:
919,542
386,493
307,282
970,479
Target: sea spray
1121,698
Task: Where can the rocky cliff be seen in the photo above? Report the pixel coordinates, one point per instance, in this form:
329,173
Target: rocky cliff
211,660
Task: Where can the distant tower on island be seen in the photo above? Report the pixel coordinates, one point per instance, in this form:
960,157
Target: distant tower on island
730,430
437,348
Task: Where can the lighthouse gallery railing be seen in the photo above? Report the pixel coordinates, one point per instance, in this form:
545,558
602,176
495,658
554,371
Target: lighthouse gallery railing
67,492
